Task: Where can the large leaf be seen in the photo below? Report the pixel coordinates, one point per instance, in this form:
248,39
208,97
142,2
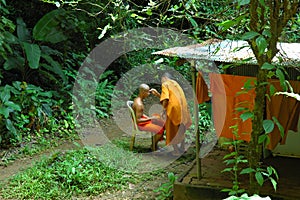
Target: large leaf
267,66
249,35
5,94
246,115
55,67
259,178
13,106
22,31
14,63
10,38
261,44
48,27
33,54
268,125
4,111
11,127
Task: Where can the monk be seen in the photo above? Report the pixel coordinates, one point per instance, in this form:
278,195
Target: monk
178,118
153,124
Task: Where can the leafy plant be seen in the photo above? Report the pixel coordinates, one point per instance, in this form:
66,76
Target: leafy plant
7,109
29,58
234,160
165,190
64,174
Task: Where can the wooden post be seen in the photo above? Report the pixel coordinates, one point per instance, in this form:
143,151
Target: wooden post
196,114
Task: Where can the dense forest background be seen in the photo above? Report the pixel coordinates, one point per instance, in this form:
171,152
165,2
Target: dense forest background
43,44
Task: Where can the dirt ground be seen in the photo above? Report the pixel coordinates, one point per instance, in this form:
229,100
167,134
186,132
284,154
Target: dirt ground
142,190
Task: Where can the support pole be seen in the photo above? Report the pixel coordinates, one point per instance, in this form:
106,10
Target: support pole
196,114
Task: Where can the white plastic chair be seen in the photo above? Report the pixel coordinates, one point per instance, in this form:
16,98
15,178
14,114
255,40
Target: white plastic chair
135,129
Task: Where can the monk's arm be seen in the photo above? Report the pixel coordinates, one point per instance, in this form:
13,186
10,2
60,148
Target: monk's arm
155,92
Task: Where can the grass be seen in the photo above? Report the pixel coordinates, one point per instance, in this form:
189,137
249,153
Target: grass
83,172
87,171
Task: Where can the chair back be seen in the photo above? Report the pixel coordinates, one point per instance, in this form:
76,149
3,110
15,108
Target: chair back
132,114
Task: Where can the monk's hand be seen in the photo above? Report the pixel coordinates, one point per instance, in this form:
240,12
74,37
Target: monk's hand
154,92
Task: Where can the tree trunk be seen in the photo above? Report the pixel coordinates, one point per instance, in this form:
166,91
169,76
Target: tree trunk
271,17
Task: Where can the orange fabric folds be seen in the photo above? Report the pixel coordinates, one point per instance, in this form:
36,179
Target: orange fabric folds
201,89
177,109
228,95
228,99
286,110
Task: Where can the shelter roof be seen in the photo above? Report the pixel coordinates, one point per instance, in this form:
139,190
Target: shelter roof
233,52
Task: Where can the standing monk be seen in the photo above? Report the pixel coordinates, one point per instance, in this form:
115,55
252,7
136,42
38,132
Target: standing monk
178,118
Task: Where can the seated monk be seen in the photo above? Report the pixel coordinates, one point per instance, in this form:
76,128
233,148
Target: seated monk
152,124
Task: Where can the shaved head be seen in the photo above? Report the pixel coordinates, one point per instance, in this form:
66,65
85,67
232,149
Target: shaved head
144,87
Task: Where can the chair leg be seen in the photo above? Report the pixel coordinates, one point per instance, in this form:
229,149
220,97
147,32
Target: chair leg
132,142
153,142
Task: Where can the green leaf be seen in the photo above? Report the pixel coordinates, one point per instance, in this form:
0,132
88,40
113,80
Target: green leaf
13,106
193,22
22,31
247,171
267,66
10,38
280,75
5,94
48,27
268,125
10,127
33,54
274,183
249,35
246,115
14,63
262,138
272,90
280,127
259,178
267,33
243,2
4,111
55,67
261,44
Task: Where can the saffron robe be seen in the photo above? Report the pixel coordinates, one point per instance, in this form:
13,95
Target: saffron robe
177,111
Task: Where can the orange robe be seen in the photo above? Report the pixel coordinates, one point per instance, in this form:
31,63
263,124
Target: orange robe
286,110
154,126
177,111
201,89
227,95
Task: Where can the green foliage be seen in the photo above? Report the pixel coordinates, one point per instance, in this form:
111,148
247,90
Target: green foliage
6,27
64,174
234,160
165,190
269,173
47,29
27,108
26,57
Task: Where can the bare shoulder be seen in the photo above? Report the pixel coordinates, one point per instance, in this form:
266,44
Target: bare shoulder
137,104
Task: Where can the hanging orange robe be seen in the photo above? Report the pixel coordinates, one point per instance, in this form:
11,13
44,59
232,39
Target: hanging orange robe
227,96
286,110
177,111
201,89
